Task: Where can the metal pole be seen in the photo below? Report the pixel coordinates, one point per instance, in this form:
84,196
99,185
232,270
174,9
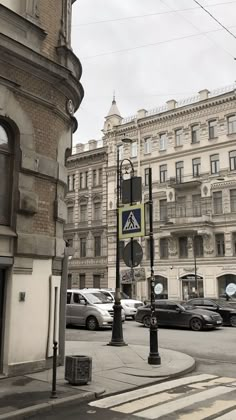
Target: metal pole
117,331
195,264
154,357
54,368
62,324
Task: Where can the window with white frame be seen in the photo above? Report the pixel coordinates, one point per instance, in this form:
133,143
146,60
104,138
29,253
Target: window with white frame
195,132
163,173
232,124
134,149
163,141
215,164
83,212
179,171
212,128
179,137
196,166
147,145
70,214
232,160
146,177
217,202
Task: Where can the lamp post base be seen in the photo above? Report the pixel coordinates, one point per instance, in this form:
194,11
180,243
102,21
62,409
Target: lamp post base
154,357
117,331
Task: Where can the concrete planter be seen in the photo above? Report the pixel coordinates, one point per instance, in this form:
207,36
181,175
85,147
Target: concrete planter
78,369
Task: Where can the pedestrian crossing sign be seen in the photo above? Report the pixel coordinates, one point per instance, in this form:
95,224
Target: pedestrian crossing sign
131,221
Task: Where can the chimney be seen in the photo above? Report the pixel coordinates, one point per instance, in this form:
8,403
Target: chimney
79,147
171,104
92,144
141,113
203,94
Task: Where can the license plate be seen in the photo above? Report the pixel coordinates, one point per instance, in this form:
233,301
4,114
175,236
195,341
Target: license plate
218,322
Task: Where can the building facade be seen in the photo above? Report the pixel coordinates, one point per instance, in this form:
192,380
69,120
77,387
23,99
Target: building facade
86,228
191,148
39,90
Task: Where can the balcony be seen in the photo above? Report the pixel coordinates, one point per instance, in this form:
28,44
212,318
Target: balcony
184,182
187,213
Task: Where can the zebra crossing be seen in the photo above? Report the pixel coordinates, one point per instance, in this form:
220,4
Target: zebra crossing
197,397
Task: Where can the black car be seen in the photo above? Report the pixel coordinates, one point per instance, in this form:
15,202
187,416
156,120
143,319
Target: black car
227,312
170,313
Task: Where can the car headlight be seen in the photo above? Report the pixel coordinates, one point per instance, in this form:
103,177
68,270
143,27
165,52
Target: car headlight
103,312
207,317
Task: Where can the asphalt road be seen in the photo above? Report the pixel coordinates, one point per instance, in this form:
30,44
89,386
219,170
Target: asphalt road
213,350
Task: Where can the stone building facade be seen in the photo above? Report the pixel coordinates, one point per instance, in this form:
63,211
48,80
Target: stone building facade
86,228
191,147
39,91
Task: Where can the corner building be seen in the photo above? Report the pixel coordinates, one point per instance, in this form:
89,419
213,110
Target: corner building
191,147
39,91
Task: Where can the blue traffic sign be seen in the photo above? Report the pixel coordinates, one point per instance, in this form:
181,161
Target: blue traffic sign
131,220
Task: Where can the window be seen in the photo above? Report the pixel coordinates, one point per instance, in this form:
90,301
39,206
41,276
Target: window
100,176
179,170
198,246
181,206
121,151
212,128
94,177
97,246
163,210
163,141
195,131
196,166
220,244
196,202
234,242
83,212
96,281
70,214
233,200
179,137
217,202
146,177
86,179
164,248
82,281
183,247
71,182
163,173
6,177
215,164
232,160
97,211
82,247
81,180
147,145
133,149
232,124
68,297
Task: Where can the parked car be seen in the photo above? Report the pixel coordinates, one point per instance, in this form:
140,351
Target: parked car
90,309
226,311
129,305
170,313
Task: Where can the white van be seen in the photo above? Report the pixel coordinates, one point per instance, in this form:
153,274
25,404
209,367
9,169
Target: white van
89,308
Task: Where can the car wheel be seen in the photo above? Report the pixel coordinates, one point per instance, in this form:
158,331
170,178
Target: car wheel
146,321
92,323
196,324
233,321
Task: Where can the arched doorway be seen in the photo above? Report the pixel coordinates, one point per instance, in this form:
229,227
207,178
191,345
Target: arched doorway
164,282
223,282
189,289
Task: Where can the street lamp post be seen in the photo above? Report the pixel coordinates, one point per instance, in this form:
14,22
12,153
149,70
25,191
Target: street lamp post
117,331
195,264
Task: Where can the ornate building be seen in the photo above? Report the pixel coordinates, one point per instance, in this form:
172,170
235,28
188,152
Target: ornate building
86,228
39,90
191,147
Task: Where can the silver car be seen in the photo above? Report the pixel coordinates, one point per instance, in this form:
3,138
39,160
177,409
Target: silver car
89,309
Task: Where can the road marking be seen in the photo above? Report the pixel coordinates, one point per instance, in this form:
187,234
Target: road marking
178,404
140,393
216,381
205,412
227,416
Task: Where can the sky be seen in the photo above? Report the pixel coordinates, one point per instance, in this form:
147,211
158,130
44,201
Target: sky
149,52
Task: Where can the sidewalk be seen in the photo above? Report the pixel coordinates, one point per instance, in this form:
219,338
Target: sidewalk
115,369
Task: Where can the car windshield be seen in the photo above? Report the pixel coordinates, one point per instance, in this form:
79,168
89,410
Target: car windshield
122,295
96,297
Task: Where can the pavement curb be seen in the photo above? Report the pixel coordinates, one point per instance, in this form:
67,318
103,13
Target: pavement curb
28,411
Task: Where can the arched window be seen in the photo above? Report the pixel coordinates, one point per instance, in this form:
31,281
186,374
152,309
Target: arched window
5,176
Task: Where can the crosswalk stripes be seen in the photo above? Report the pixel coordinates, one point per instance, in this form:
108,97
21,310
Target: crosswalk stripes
199,397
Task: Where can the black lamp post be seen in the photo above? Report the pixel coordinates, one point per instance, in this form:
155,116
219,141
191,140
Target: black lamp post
117,331
195,264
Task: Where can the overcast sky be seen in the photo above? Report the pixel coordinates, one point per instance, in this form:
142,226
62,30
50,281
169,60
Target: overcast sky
149,52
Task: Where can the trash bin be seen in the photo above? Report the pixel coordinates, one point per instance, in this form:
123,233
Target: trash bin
78,369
